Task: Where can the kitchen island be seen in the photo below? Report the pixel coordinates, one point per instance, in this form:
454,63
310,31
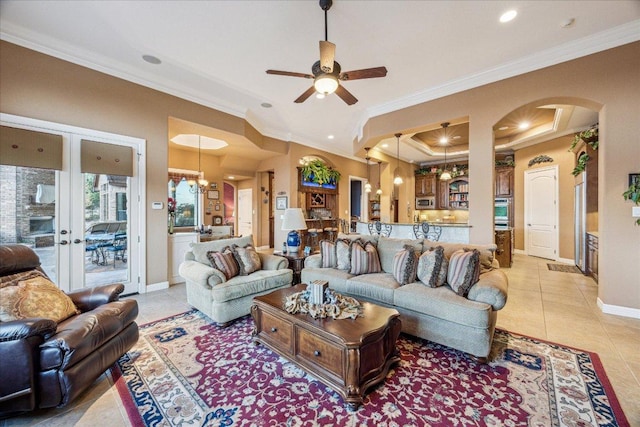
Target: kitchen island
451,231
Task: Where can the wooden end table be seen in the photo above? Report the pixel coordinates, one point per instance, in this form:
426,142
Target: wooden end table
348,355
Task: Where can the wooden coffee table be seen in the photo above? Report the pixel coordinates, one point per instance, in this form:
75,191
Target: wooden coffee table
348,355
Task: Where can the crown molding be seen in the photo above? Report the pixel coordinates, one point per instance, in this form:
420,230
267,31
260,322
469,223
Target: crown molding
614,37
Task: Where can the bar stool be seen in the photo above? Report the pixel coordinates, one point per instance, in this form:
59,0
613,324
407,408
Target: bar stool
332,230
421,230
312,235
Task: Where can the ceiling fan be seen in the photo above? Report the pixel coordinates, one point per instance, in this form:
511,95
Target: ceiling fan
326,73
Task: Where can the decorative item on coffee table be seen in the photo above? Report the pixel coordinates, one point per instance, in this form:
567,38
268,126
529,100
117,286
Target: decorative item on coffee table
350,355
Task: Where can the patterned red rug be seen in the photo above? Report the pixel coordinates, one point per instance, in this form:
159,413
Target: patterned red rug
186,371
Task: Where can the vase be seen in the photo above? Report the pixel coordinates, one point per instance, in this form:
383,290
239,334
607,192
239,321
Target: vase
172,220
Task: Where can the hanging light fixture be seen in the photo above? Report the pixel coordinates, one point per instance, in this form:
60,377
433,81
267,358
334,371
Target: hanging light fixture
367,186
199,186
445,175
379,190
397,180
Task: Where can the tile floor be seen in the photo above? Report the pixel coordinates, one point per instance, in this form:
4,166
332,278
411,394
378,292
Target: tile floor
554,306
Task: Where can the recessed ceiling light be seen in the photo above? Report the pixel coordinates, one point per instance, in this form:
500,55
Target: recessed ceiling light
443,140
151,59
266,105
330,137
457,137
508,16
195,141
567,23
503,128
385,145
523,125
231,177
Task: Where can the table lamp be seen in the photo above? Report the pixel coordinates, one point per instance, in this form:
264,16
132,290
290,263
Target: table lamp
293,220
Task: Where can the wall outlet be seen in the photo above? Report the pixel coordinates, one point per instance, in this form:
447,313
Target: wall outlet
157,205
635,211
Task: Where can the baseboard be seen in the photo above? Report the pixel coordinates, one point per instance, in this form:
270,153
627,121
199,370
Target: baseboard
634,313
157,286
519,251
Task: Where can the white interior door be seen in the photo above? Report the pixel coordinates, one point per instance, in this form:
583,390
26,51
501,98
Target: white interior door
245,212
541,212
64,247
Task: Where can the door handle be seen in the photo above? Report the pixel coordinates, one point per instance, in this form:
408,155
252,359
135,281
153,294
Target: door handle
78,241
63,231
64,242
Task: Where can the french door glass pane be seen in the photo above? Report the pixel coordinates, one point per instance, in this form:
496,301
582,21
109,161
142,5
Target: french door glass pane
106,229
28,212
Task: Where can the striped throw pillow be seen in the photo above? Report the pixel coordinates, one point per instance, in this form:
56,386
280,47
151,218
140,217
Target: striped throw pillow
432,267
364,258
464,270
224,261
405,265
328,257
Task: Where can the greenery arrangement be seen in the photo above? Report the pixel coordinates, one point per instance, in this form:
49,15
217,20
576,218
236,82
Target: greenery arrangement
317,171
590,136
582,164
459,170
633,193
505,163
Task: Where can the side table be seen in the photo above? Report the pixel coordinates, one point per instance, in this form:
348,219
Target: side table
296,263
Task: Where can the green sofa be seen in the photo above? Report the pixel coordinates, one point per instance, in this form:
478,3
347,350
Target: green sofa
436,314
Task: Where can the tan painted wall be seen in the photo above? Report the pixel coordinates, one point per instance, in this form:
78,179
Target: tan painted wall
557,150
607,82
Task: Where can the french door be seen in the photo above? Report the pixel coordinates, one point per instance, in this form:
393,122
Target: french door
87,227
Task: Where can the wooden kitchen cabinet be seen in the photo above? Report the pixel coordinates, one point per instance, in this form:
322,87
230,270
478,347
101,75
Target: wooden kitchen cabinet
504,181
504,252
443,195
426,185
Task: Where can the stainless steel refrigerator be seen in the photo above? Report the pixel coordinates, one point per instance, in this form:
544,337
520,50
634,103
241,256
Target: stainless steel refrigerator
580,221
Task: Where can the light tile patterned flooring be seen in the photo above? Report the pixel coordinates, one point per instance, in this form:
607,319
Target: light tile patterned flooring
553,306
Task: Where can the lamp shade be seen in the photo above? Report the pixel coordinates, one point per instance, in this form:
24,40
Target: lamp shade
293,220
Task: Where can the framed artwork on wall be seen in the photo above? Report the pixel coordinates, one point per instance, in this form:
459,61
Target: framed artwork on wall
634,178
281,202
213,194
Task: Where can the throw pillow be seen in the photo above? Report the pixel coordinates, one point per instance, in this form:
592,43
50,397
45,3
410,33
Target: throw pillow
328,257
343,254
405,264
464,270
14,279
432,267
224,261
35,297
248,259
364,258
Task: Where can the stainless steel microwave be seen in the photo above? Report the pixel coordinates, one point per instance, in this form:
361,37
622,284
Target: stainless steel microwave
426,202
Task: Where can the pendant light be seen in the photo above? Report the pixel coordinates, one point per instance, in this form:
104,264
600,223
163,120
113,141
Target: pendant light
397,180
367,186
379,190
445,175
200,186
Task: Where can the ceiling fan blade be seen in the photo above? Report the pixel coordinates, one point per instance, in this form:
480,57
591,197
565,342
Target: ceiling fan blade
327,55
367,73
289,73
305,95
345,95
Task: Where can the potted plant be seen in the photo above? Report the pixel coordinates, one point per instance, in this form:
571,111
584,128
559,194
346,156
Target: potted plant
590,136
633,193
317,171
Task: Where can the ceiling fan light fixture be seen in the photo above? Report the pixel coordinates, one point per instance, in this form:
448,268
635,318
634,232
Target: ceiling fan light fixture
325,84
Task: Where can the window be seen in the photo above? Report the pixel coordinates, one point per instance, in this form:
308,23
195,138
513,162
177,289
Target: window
187,212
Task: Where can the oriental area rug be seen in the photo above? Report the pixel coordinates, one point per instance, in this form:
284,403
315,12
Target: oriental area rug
187,371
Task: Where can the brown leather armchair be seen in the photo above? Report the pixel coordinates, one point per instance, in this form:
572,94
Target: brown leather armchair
45,364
